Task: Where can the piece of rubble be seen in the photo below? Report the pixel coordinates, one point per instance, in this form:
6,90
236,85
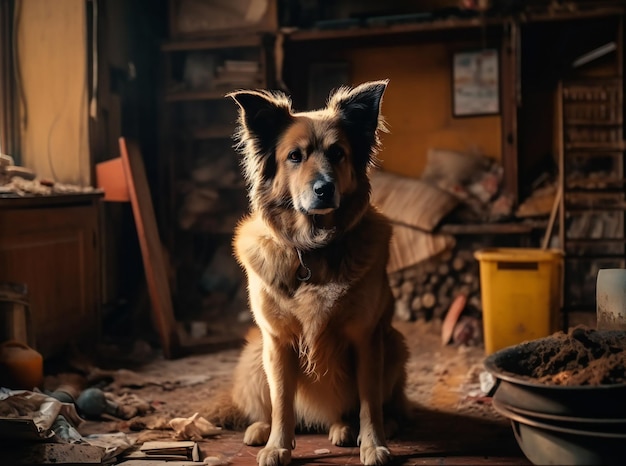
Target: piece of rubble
193,428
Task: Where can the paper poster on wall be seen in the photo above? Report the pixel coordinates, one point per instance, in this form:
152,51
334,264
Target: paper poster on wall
475,83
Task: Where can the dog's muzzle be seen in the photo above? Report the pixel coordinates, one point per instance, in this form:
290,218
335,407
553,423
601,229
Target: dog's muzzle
325,198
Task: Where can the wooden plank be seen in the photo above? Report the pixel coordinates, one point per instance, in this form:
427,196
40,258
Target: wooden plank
511,100
151,247
553,213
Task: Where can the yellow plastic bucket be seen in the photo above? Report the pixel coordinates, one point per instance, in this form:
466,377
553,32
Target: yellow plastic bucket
521,294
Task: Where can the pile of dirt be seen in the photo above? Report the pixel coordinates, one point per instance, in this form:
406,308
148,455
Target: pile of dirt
582,356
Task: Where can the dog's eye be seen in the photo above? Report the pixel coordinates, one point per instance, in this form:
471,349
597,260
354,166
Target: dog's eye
335,153
295,156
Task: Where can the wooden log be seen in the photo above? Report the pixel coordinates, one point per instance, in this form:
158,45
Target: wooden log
429,300
407,288
458,264
464,290
439,311
430,267
423,314
409,273
444,297
446,256
402,310
467,278
434,279
416,304
395,279
443,270
449,282
420,276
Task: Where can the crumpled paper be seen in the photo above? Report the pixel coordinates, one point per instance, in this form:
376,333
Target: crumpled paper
193,428
34,415
18,406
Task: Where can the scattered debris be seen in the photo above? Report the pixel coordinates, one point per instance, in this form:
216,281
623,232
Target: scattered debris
21,187
27,418
167,451
93,403
193,428
468,331
154,422
218,460
31,416
474,179
322,451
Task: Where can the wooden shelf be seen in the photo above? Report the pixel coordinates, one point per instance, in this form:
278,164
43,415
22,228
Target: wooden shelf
490,228
12,200
599,146
614,189
595,208
435,25
584,256
401,28
218,42
573,122
593,241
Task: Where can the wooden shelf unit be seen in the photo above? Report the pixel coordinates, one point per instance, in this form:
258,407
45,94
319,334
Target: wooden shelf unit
201,172
592,218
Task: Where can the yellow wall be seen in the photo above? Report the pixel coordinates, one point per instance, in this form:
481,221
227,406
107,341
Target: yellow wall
417,106
51,43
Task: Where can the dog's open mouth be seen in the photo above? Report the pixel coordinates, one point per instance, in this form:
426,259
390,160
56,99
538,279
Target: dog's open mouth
324,221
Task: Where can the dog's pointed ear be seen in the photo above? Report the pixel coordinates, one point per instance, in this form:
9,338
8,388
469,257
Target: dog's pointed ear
262,116
361,105
359,111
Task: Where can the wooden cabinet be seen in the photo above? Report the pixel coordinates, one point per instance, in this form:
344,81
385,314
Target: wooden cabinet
52,244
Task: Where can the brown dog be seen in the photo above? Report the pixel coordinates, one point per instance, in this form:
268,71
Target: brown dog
315,252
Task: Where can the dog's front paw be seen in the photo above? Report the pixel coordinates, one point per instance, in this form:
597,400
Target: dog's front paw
340,434
375,455
257,433
273,456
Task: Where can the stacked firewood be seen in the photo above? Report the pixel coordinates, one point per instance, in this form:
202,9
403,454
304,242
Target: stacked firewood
426,290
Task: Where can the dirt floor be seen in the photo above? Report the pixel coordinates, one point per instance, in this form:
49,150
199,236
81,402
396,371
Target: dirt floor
454,421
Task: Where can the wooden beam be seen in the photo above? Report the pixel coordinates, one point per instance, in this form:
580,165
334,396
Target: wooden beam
151,247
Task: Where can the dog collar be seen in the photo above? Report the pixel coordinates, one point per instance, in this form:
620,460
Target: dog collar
307,276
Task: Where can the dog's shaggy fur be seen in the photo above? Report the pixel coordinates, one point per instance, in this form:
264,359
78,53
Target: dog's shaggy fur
314,251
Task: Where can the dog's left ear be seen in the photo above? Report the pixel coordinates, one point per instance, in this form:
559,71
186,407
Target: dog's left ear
359,110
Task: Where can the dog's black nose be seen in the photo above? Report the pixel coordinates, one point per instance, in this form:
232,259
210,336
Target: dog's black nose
324,190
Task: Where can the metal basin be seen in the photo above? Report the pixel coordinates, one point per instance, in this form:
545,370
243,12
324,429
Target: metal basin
599,401
569,442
